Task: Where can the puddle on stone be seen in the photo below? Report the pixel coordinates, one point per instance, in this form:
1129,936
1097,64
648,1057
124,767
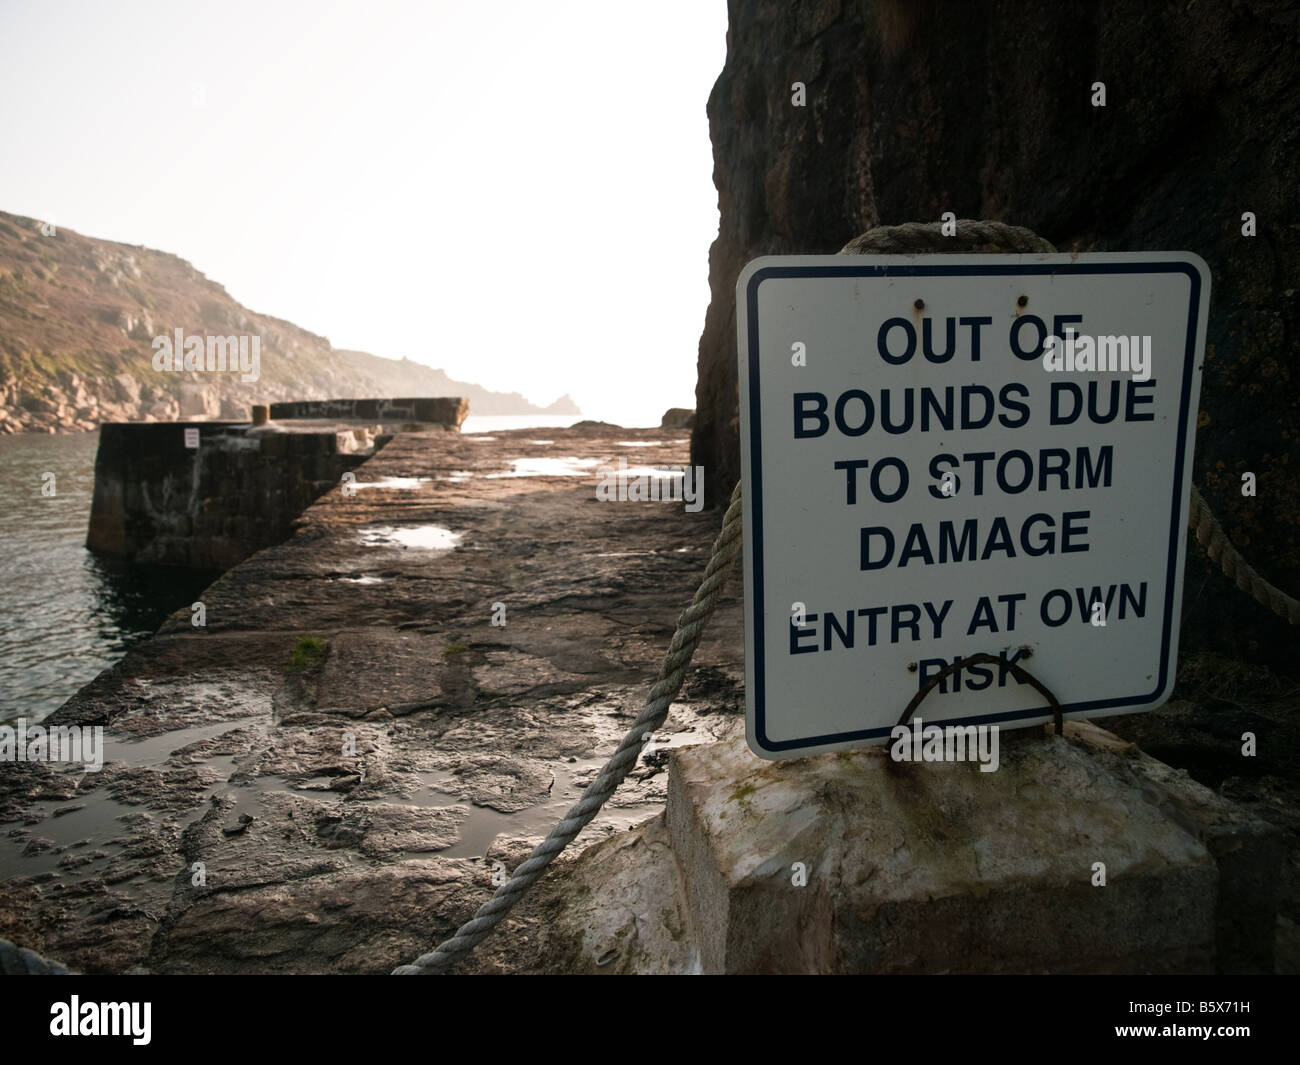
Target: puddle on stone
570,466
481,439
174,705
482,824
96,832
97,829
85,841
541,443
153,751
361,580
426,537
457,476
400,484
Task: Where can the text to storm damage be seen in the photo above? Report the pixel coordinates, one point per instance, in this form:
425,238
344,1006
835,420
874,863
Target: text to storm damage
876,483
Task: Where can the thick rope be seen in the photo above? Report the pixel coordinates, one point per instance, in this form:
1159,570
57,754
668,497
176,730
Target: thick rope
19,961
690,629
910,238
1214,541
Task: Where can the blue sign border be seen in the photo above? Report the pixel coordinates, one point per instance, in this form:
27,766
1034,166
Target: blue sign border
754,496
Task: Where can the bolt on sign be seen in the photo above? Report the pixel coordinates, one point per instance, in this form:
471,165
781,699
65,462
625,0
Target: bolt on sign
944,455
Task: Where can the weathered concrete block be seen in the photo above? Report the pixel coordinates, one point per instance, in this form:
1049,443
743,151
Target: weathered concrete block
938,867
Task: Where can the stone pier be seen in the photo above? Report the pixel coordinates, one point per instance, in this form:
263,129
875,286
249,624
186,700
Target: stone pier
398,415
166,496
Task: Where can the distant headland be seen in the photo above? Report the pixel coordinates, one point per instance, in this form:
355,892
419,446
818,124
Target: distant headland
79,318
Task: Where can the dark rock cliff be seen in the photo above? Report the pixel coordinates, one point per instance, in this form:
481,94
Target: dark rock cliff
917,107
78,317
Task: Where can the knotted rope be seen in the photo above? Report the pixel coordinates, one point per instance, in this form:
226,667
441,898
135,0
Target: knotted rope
690,629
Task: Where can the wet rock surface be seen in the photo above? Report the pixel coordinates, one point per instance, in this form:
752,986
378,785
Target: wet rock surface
327,776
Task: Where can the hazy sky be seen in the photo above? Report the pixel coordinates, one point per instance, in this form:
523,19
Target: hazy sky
518,192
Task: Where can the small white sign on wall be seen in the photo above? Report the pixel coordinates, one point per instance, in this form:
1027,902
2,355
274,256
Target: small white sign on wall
949,455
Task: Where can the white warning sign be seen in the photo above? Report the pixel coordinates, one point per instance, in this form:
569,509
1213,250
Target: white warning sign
950,455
